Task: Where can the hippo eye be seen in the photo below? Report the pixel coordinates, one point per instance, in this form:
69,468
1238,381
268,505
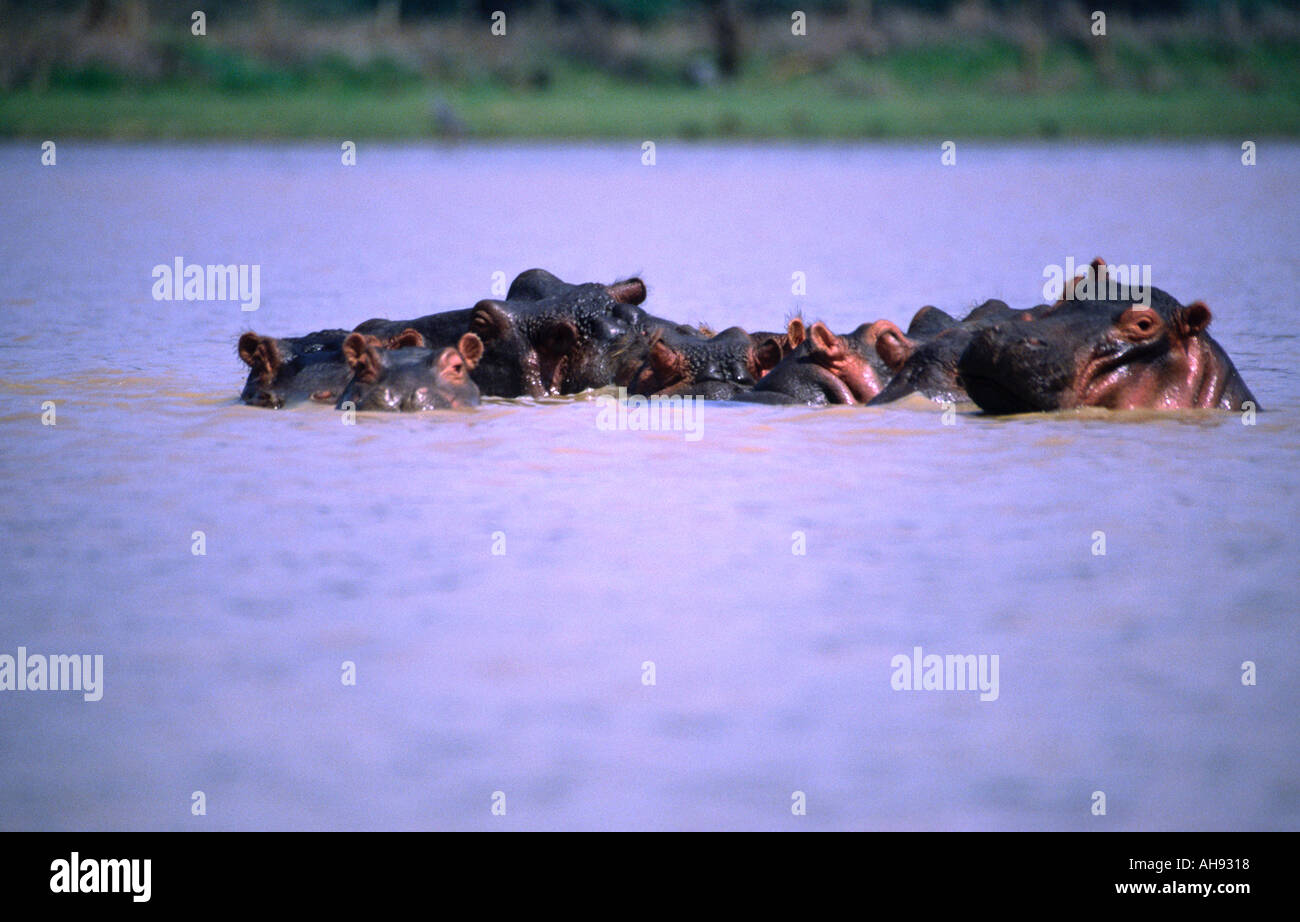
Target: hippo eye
1138,324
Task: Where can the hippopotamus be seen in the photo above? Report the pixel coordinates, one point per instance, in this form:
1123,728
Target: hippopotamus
290,370
538,284
408,379
1121,354
824,368
924,359
561,344
687,362
548,336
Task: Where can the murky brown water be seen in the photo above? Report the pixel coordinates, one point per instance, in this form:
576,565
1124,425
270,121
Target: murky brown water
523,672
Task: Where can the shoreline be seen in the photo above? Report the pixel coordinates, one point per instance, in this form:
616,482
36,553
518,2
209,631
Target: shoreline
729,115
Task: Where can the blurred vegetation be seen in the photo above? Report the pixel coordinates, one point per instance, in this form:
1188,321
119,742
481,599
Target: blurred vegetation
647,69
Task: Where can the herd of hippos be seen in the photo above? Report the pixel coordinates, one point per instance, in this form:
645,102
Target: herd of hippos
550,337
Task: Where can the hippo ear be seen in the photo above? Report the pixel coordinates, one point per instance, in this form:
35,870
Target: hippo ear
795,332
405,339
361,352
823,341
764,357
248,344
629,291
1193,318
471,347
892,345
261,354
491,320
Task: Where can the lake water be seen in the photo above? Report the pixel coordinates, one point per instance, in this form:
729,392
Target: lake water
524,673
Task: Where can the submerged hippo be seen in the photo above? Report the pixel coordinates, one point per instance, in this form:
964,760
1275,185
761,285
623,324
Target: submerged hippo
410,379
547,337
1120,354
290,370
924,359
825,368
561,344
690,363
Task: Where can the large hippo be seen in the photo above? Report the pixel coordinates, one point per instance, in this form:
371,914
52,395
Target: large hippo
560,344
1121,354
546,337
410,379
293,369
538,284
924,359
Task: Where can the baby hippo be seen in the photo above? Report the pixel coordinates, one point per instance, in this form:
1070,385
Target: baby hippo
415,378
286,371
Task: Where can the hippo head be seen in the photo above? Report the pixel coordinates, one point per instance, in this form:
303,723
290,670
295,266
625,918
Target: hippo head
926,366
285,371
413,378
713,366
538,284
610,347
851,358
514,364
1119,354
558,344
924,359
